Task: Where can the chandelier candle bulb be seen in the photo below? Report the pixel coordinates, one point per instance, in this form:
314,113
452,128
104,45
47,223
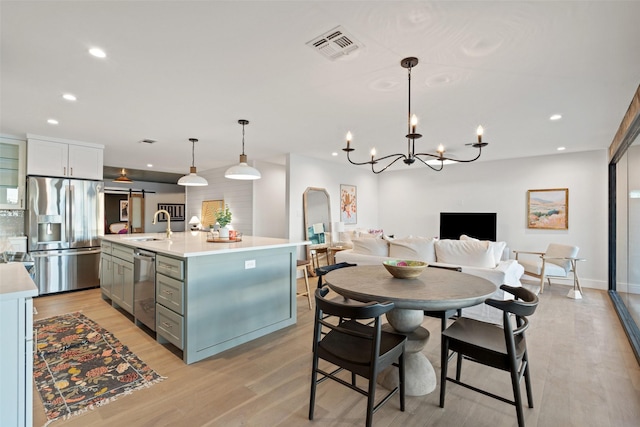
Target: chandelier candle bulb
414,123
480,131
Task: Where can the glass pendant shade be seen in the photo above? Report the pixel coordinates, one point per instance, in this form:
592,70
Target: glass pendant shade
192,180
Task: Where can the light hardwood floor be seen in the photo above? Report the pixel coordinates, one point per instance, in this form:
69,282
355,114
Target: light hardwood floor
584,374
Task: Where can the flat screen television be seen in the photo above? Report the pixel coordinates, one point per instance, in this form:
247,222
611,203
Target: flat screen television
481,225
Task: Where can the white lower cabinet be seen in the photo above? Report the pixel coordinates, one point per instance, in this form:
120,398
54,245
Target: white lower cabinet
122,284
16,351
170,300
106,270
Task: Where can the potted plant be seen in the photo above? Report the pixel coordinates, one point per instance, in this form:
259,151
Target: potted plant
223,217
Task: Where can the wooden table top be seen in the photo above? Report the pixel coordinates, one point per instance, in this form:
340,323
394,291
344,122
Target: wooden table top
434,290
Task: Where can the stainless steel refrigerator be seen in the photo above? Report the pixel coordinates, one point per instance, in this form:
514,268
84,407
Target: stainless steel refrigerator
64,225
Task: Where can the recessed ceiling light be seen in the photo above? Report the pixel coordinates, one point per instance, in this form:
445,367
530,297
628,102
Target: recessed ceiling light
69,97
149,165
555,117
561,148
334,154
97,52
52,121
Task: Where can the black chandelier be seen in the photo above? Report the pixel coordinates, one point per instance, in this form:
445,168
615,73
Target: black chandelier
411,136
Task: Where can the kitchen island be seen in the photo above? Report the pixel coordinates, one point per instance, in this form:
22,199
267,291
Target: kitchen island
209,297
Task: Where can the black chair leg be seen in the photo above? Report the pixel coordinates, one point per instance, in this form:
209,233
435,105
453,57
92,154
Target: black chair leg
517,398
371,400
401,381
314,383
444,364
459,367
527,380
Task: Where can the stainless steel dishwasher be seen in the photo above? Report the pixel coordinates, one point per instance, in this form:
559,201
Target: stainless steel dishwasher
144,288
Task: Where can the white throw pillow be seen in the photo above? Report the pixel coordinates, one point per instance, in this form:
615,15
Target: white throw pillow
413,248
469,253
465,237
498,250
497,247
369,246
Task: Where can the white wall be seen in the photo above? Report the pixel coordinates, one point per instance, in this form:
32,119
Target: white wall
306,172
410,202
269,201
236,193
151,206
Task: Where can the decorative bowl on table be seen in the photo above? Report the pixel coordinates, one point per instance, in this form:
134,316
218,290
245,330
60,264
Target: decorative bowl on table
404,269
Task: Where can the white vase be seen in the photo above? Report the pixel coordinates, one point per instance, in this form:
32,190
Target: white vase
224,232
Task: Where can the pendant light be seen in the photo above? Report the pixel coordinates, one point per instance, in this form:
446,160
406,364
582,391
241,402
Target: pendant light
242,170
192,179
123,177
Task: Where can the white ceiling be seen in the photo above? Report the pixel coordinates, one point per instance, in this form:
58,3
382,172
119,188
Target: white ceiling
180,69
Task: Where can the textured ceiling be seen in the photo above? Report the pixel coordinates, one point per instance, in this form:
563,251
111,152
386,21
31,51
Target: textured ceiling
180,69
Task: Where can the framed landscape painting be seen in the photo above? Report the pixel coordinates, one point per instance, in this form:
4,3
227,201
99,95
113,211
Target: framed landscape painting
348,204
548,209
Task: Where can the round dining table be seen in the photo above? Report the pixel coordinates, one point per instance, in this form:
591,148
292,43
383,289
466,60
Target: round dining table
436,289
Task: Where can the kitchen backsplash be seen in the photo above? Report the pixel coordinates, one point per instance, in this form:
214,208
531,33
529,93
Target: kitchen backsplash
11,223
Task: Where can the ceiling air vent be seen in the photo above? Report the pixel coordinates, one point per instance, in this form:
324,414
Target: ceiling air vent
335,43
148,141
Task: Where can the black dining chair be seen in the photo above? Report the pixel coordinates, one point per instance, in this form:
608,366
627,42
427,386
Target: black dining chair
446,314
356,347
488,344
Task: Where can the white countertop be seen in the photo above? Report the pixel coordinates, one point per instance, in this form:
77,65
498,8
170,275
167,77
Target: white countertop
15,282
194,243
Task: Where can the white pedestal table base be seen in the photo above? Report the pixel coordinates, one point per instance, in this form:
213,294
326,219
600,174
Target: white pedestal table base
420,378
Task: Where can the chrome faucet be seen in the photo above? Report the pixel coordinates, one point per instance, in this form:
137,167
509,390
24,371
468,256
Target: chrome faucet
155,217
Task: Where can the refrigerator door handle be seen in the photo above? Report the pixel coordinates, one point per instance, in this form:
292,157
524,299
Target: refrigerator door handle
70,201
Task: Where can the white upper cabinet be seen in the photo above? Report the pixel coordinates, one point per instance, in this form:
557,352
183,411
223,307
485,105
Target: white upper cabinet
12,175
69,159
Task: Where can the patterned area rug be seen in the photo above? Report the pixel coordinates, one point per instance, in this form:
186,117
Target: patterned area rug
79,366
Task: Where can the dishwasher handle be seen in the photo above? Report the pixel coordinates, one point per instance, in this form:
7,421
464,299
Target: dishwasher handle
144,256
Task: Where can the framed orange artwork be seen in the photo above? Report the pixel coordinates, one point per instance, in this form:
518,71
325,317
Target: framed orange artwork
348,204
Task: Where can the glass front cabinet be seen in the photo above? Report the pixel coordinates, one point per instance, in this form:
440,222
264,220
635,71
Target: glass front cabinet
12,173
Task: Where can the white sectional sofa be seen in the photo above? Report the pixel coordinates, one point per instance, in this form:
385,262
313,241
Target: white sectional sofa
485,259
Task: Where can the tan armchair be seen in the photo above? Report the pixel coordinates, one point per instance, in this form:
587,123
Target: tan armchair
558,261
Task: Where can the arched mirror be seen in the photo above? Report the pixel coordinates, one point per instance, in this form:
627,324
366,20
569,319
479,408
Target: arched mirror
317,224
